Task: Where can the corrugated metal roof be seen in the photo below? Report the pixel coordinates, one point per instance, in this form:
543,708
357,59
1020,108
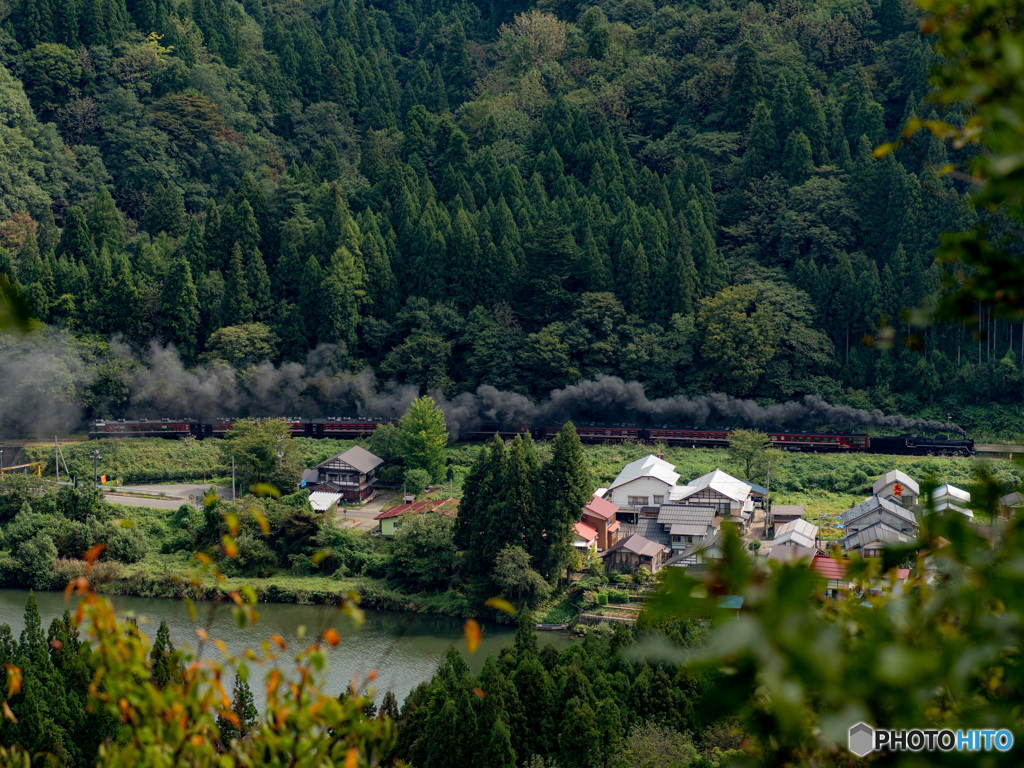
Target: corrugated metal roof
602,507
880,534
321,501
1012,499
788,510
829,567
896,477
950,506
877,502
700,546
720,481
649,466
585,532
447,506
952,492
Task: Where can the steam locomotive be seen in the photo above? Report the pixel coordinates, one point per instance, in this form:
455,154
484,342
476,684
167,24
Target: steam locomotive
354,427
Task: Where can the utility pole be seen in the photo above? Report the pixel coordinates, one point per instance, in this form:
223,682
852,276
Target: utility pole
280,451
232,478
56,458
768,497
1,462
95,460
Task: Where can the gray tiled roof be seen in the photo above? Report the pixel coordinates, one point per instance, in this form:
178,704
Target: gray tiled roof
672,514
879,532
358,458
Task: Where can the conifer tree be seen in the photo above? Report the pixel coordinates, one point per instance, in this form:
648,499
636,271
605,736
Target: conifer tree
165,664
237,308
215,258
245,230
75,240
499,752
179,307
809,117
891,19
746,90
105,222
244,708
166,212
782,111
762,155
311,286
566,482
797,158
195,248
258,281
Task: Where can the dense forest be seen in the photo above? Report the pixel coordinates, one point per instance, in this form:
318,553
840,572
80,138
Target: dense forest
462,193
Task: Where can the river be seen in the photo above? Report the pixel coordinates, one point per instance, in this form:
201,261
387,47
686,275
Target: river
404,648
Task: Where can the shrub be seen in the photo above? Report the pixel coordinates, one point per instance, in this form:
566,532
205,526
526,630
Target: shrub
301,565
255,558
617,597
126,544
602,598
37,558
416,481
589,599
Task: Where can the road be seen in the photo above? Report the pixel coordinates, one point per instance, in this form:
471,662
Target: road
361,519
174,495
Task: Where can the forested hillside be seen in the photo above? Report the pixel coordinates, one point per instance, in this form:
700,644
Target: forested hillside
456,193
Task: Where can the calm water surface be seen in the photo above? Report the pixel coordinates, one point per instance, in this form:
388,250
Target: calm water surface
404,648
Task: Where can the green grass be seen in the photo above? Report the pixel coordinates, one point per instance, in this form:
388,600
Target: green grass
561,610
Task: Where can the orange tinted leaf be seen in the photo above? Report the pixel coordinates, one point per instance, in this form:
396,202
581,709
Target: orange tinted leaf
278,641
480,693
332,637
318,557
8,714
501,604
203,558
232,522
473,634
351,759
266,489
13,679
203,634
263,523
94,552
230,548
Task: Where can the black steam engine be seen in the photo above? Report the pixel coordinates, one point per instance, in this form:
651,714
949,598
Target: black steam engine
692,437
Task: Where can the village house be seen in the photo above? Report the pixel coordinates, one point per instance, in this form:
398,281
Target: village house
731,498
600,514
786,513
877,523
898,487
633,553
586,537
797,533
949,498
701,552
390,520
643,482
1011,504
351,475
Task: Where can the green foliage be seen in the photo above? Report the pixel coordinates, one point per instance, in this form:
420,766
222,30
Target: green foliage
424,552
254,446
416,481
424,437
752,450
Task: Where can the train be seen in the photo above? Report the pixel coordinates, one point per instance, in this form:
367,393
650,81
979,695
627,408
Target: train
355,427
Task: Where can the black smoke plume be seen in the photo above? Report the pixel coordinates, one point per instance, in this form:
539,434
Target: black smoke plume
47,378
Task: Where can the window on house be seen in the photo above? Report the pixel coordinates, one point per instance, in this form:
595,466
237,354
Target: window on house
659,500
638,501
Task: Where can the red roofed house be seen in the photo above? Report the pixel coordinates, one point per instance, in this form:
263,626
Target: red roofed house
391,519
599,514
586,537
635,552
833,571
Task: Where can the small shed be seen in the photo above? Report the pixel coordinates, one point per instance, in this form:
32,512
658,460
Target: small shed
390,520
1011,504
586,537
324,501
784,513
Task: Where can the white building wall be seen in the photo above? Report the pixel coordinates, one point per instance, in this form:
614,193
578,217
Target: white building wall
648,487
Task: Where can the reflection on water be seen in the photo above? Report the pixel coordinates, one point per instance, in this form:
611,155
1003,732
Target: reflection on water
404,648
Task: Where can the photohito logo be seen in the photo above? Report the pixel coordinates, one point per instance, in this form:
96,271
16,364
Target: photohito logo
863,740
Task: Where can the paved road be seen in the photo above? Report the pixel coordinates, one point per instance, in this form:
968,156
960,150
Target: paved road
362,519
176,495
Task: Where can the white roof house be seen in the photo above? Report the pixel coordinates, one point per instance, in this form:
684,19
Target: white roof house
644,482
321,501
897,486
732,497
951,495
796,533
